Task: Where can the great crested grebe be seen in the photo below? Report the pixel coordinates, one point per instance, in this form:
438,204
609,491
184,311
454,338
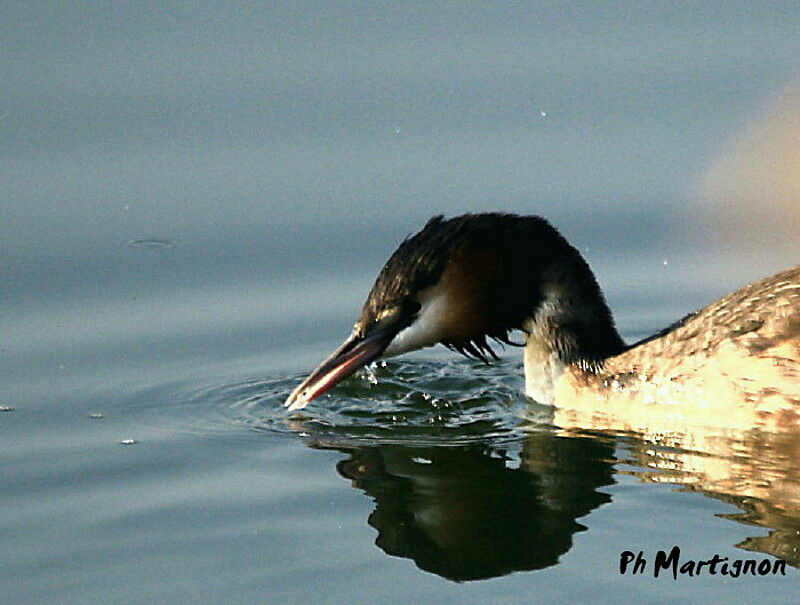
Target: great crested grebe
462,280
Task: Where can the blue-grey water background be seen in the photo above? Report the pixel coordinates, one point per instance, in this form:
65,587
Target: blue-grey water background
194,201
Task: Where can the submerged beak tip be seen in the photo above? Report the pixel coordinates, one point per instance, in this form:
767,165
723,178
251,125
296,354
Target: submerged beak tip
296,401
354,353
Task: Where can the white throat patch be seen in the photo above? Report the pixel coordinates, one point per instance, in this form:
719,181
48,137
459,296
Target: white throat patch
427,329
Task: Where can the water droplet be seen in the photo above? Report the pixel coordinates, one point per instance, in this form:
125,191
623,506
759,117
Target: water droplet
370,374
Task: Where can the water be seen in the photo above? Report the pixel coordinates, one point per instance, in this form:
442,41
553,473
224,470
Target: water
194,204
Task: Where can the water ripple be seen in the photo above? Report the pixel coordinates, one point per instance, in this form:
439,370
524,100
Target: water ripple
419,402
150,243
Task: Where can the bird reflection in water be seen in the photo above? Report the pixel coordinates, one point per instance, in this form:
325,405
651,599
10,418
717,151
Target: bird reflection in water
486,509
463,513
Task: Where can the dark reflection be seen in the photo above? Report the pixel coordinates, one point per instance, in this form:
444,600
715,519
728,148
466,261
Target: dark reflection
476,511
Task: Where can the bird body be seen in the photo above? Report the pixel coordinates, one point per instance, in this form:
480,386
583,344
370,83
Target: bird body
735,363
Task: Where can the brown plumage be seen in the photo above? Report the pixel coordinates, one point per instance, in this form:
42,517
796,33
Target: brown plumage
735,364
466,280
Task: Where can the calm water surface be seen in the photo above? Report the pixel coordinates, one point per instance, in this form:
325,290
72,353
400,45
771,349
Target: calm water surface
196,201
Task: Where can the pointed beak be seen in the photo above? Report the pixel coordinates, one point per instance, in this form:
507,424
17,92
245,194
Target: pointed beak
354,353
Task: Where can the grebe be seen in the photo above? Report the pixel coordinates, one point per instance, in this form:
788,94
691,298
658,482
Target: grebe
464,280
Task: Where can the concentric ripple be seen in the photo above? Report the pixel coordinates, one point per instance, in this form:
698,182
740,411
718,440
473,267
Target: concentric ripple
419,402
409,401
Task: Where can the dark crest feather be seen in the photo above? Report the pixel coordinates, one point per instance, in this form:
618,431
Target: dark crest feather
474,349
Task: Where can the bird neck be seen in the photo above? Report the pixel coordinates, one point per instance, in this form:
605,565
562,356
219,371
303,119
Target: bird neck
571,326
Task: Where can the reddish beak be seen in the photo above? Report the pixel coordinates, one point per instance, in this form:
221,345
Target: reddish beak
354,353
